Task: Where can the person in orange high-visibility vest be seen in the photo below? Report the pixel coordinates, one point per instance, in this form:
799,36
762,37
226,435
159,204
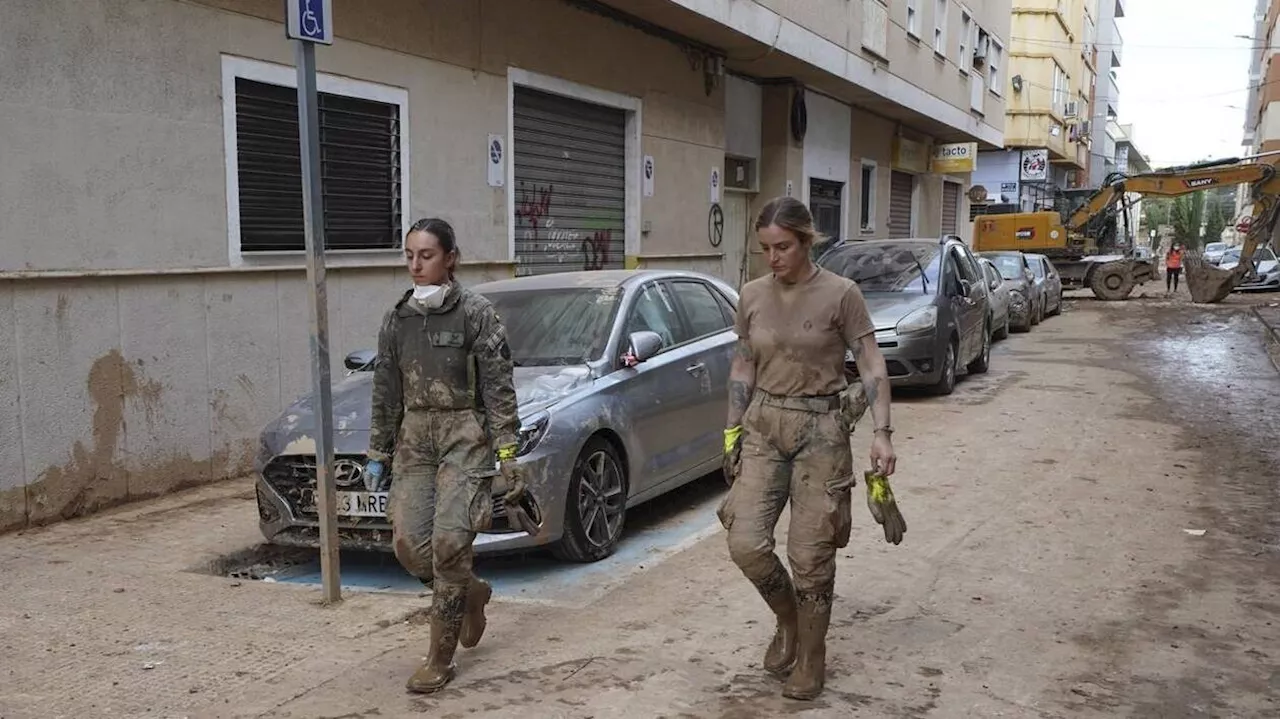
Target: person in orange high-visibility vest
1172,268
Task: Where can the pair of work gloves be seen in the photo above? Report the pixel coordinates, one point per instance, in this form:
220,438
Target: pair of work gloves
880,501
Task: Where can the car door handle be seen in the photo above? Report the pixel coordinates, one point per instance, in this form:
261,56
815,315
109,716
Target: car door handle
695,368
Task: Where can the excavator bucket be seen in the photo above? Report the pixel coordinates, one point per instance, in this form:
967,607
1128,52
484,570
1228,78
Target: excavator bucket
1208,284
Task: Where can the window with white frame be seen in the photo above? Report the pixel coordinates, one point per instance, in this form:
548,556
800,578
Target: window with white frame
1059,88
363,160
867,199
994,59
966,40
913,18
940,27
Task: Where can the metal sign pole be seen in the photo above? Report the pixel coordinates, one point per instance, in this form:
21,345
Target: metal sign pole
310,22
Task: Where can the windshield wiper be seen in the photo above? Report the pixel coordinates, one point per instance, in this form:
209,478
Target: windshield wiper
924,281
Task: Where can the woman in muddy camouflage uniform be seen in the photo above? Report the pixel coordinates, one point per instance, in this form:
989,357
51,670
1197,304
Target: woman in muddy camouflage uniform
443,404
791,412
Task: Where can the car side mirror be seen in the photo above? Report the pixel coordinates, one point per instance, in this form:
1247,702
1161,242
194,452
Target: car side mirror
644,345
360,360
966,288
995,285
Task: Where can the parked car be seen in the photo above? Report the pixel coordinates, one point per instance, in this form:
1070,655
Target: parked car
1214,251
598,435
1050,283
1024,295
929,303
1266,269
1001,298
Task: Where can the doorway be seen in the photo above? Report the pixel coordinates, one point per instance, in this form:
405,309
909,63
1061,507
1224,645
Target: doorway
737,238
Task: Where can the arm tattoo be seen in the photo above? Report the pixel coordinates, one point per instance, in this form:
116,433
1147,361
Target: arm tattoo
875,378
742,382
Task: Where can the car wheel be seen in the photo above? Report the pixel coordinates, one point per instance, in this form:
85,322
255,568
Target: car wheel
982,362
1057,308
596,505
946,383
1004,329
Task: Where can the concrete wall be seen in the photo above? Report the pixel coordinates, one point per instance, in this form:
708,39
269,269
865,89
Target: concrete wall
134,359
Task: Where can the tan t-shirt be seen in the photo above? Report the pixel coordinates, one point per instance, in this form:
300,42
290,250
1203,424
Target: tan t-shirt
799,333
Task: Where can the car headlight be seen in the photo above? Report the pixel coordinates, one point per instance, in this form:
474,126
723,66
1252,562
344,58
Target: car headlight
925,318
531,433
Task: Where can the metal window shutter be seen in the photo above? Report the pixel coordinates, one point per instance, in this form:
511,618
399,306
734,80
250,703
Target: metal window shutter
950,207
359,162
570,184
899,204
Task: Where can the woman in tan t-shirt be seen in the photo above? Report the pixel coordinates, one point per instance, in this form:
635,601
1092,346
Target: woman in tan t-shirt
791,412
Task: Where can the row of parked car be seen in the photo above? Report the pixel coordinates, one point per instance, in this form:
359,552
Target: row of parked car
622,375
1266,265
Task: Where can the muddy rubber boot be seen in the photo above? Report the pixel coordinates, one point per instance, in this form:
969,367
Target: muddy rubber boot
778,593
473,622
446,623
809,676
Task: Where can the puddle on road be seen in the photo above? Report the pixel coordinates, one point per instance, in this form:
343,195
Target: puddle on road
656,530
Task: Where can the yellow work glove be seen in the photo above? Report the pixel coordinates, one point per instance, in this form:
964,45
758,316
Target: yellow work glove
511,473
883,507
732,453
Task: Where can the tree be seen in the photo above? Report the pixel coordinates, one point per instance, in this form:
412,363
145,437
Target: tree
1187,215
1215,217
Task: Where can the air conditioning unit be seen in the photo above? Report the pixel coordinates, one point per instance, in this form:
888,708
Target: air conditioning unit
1073,108
980,49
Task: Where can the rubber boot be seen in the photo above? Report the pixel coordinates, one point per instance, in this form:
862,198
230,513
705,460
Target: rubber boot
778,593
808,677
479,592
446,623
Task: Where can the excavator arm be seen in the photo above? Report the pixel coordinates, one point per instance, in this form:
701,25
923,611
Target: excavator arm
1206,282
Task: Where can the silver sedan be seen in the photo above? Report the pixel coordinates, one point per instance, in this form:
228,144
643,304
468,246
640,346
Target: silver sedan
622,384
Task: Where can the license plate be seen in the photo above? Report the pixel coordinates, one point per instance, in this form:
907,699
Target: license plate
362,504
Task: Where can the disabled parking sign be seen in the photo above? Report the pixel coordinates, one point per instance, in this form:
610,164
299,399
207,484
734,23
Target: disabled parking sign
310,20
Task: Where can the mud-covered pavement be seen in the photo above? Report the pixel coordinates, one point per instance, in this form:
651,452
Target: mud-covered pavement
1092,532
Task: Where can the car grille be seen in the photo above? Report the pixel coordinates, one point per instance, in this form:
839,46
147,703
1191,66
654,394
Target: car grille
294,478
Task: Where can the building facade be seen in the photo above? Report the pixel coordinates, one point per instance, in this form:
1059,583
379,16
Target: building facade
153,294
1262,110
1052,65
1106,104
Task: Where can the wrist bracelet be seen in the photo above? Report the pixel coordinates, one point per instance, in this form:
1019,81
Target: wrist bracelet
886,429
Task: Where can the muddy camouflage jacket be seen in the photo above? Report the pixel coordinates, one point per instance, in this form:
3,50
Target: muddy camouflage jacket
451,357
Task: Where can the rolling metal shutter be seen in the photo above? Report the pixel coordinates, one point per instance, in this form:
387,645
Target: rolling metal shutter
900,185
950,207
570,184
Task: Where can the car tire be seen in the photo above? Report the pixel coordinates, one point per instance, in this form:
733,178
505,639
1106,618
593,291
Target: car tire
982,362
1057,308
946,383
597,493
1004,329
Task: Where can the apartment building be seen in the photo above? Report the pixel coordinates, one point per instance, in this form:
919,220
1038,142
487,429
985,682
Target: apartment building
1262,110
1106,102
1052,65
153,295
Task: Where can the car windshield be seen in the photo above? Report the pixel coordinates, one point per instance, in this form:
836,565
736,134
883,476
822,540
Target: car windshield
1215,247
560,326
1010,266
1262,254
886,266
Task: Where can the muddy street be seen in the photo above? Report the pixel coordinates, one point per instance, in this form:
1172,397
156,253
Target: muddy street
1092,531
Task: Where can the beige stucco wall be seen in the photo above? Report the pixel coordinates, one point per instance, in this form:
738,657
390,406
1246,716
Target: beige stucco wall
841,22
128,385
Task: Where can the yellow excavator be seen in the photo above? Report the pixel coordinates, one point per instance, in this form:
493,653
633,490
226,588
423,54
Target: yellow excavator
1083,246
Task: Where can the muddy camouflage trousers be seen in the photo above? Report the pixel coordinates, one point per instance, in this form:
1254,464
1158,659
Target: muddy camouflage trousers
442,474
793,449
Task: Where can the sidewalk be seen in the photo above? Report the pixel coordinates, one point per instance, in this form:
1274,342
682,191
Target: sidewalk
122,615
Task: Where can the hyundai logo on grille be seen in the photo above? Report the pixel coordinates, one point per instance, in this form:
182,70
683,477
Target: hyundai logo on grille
347,472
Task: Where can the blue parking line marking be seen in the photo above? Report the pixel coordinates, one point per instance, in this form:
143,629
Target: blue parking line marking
536,577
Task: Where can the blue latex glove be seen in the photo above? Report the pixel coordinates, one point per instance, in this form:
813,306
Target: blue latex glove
375,477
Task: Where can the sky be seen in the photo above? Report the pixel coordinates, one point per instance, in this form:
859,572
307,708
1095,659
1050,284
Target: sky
1183,75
